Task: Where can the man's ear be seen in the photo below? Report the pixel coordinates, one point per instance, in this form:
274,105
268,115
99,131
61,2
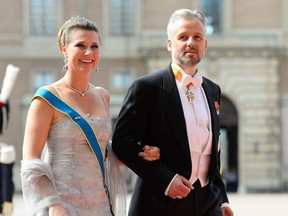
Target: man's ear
206,46
169,44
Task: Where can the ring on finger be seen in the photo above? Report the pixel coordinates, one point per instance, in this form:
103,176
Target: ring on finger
178,197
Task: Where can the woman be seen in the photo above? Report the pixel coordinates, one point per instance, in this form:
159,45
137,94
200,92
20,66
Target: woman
71,181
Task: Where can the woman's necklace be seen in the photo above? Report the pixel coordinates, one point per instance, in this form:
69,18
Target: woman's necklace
73,89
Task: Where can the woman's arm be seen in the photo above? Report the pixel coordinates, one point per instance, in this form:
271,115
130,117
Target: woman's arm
39,120
38,182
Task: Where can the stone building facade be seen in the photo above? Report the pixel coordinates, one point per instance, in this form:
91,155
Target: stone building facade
247,56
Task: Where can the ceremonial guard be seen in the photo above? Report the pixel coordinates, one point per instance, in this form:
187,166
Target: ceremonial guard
7,151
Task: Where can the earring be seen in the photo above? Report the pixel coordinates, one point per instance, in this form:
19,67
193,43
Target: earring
65,67
97,70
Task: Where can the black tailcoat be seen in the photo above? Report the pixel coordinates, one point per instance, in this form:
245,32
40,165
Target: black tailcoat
152,114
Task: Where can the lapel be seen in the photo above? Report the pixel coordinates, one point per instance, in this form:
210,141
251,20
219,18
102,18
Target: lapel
174,112
212,97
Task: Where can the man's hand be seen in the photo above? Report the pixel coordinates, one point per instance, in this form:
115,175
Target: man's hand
179,188
227,211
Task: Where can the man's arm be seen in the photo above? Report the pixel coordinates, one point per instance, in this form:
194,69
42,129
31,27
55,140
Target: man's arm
130,131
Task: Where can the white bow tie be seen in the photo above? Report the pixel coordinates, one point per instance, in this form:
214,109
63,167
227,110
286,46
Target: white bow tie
186,80
191,82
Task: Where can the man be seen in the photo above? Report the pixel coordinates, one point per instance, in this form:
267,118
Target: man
7,158
175,109
7,152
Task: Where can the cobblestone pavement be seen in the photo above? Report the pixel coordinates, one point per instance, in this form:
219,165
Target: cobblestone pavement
242,204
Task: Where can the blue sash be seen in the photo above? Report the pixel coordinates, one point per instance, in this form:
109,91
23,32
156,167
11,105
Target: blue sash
81,122
84,126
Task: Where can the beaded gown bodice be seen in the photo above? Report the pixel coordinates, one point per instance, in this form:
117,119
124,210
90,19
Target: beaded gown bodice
77,173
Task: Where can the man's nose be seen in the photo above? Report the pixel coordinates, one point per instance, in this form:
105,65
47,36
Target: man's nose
191,42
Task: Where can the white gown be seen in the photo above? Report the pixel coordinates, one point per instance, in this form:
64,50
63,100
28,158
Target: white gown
74,177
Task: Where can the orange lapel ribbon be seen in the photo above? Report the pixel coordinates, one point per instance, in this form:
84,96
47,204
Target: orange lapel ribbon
187,82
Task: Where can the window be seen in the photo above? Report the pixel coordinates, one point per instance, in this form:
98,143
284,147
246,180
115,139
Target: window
43,17
121,80
213,12
122,16
41,78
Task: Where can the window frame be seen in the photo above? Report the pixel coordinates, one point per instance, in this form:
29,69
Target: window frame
43,73
126,27
128,79
220,27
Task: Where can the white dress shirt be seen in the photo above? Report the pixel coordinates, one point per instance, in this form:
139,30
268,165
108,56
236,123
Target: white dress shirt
199,128
198,124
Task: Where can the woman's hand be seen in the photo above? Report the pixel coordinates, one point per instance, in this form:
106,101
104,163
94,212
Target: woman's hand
150,153
57,210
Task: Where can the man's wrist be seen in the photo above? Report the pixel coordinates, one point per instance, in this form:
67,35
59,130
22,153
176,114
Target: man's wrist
226,204
168,187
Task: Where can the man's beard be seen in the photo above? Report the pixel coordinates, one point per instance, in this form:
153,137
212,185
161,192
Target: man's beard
192,61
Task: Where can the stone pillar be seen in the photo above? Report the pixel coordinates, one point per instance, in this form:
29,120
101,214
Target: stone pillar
284,110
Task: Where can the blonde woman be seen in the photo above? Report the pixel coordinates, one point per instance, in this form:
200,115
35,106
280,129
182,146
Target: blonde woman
70,181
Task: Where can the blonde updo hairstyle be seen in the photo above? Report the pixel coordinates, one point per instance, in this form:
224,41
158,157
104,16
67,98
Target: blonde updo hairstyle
63,37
